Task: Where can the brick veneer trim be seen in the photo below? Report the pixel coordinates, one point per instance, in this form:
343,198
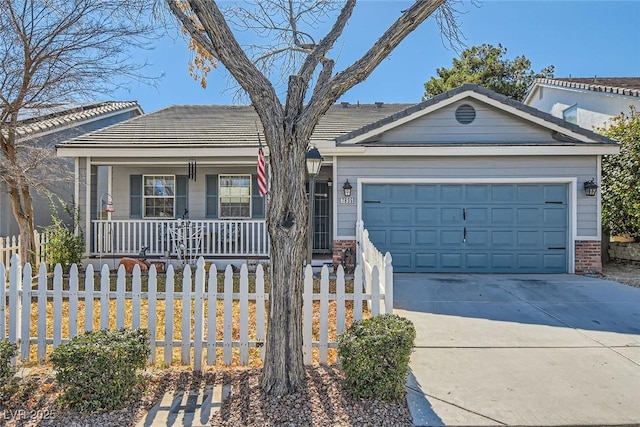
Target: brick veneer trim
339,246
588,257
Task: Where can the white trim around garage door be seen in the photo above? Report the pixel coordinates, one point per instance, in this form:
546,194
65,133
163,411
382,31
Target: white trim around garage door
573,198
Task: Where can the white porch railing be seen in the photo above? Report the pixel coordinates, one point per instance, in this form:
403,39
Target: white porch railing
185,238
375,267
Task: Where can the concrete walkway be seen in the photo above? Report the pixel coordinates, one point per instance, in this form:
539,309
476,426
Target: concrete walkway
521,349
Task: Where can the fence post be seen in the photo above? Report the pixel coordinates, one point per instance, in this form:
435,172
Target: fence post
185,334
359,228
152,307
198,307
388,283
324,314
3,299
26,313
42,313
88,298
212,310
307,316
15,275
73,301
57,305
168,317
228,317
244,315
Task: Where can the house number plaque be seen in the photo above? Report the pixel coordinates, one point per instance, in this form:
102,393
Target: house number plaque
346,200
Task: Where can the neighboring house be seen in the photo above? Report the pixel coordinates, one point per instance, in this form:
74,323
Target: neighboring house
49,126
468,181
588,102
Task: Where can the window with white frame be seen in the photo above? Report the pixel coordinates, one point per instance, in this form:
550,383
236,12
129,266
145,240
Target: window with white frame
235,196
159,196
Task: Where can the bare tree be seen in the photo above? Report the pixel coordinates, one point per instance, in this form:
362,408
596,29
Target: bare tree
55,51
312,87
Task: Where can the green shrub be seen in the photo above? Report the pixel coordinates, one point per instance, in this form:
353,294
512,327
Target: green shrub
97,371
7,351
63,246
374,354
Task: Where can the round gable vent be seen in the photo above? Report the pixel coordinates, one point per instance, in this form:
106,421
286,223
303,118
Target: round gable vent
465,114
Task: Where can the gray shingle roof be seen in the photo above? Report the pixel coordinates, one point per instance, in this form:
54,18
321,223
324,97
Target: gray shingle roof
221,125
483,91
629,86
37,120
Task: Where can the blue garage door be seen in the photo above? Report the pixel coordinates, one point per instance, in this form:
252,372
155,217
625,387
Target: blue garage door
519,228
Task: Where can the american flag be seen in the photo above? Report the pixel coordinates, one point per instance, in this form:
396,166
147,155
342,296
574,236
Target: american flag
262,177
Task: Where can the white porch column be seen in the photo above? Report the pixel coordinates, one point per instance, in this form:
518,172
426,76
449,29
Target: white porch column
87,208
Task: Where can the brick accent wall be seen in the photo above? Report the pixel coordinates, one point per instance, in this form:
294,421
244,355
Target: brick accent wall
338,247
588,257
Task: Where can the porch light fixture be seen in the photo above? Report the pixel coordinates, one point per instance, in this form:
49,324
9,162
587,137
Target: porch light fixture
346,188
590,188
314,163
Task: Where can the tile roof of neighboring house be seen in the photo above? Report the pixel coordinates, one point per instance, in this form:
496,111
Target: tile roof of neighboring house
482,91
38,120
629,86
222,125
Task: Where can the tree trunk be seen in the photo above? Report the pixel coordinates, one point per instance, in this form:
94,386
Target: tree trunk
287,223
22,205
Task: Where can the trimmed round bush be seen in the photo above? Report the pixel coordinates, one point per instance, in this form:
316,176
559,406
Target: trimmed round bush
7,352
98,371
374,354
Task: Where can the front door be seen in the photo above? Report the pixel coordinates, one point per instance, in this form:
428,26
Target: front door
322,239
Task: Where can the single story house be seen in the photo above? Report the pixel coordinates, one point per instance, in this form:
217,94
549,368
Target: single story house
47,126
589,102
468,181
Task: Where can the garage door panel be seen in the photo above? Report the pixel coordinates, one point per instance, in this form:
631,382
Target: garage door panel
477,216
426,260
451,237
555,217
451,193
502,216
400,193
478,239
450,260
425,193
555,193
478,193
555,239
470,227
477,261
503,193
401,216
450,216
377,216
400,237
402,260
426,216
529,216
374,192
528,193
426,238
529,239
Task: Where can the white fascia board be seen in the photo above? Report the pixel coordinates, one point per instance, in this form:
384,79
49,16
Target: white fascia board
155,152
506,150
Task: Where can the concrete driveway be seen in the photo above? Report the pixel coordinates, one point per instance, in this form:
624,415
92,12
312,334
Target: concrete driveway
521,349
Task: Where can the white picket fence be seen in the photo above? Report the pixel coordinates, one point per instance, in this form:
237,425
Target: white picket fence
377,268
11,245
58,310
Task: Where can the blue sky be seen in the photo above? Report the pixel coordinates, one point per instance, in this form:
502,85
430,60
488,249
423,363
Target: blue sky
580,38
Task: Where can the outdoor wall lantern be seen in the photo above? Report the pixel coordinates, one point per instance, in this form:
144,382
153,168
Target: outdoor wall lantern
590,188
346,188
